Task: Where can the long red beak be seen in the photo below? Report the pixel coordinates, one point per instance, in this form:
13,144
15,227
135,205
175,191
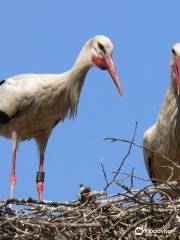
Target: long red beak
176,72
109,65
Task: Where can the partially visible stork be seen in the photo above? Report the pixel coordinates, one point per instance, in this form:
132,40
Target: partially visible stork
164,135
32,104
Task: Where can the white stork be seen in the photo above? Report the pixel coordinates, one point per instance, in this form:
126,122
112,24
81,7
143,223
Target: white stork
32,104
164,135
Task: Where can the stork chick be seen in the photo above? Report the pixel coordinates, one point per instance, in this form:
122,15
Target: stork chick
164,135
31,105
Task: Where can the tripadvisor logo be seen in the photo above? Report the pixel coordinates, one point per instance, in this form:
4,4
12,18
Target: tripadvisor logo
140,231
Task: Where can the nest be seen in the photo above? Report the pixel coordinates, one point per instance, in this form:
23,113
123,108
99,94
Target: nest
129,215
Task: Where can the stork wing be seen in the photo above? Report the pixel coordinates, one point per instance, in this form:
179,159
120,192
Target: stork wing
17,93
13,99
148,154
20,92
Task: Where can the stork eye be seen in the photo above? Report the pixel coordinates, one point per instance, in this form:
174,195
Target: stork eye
101,47
173,51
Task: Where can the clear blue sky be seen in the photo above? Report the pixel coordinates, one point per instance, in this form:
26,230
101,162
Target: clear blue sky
45,36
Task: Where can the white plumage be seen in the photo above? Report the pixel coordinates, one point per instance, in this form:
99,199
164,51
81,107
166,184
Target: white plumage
164,135
32,104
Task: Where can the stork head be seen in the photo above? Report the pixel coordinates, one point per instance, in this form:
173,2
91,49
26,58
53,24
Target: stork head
175,65
101,49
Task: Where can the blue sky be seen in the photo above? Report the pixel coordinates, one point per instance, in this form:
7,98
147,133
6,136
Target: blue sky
45,36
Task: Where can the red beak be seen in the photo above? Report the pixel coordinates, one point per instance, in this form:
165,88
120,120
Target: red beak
109,65
176,72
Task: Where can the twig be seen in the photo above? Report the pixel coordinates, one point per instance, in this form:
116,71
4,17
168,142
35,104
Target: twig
104,172
132,178
112,139
123,160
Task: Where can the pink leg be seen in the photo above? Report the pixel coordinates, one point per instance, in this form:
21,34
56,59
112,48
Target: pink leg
40,177
42,142
13,174
13,169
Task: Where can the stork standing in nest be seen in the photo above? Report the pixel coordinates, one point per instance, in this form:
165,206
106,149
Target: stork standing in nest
31,105
164,135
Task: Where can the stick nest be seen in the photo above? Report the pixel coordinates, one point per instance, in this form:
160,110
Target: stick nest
129,215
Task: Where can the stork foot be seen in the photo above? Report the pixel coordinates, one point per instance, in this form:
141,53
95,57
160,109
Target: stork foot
40,189
12,184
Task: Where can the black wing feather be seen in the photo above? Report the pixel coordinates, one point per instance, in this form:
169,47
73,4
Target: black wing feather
1,82
4,118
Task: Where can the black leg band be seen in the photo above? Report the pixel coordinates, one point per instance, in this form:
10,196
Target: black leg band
40,177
